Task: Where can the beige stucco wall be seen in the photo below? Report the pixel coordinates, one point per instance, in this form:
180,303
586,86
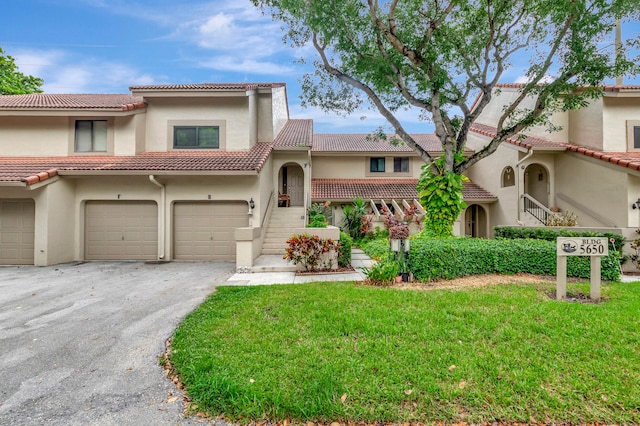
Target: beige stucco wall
580,179
617,111
34,136
357,166
585,126
488,174
233,112
280,109
492,112
54,135
55,220
56,230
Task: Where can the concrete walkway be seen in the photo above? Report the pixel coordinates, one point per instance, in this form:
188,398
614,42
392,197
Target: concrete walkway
273,269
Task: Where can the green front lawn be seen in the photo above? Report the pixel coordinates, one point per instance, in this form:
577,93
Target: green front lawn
339,351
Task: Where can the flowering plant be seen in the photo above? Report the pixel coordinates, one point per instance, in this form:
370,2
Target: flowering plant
399,232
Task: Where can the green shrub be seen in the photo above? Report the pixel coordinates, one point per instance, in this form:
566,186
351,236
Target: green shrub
377,248
450,258
319,215
542,233
383,272
344,254
317,221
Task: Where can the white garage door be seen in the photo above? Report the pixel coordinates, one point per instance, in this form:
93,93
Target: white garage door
17,223
121,230
206,231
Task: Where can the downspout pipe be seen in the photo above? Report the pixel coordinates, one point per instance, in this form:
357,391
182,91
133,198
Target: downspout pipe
161,217
522,160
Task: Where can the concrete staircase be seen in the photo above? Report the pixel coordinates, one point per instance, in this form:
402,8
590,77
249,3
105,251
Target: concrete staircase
281,226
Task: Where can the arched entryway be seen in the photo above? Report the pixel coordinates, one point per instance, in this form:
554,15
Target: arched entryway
291,184
475,221
536,183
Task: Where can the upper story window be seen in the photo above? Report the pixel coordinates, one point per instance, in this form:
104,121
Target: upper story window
376,164
401,164
633,135
196,137
91,136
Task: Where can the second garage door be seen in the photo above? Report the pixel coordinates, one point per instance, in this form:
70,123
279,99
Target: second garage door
121,230
206,231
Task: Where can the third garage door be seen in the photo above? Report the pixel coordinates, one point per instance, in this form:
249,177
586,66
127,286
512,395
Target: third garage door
206,231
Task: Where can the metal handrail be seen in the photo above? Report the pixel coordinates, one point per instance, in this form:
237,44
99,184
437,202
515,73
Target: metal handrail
536,209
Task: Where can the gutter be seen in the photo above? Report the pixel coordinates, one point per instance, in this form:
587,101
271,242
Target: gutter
161,217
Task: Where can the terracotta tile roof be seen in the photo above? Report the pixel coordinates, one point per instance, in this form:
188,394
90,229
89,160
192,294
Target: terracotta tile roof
526,141
206,86
362,143
296,133
23,169
73,101
630,160
348,189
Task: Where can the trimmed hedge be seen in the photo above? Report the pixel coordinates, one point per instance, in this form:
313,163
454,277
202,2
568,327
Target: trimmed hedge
431,259
551,234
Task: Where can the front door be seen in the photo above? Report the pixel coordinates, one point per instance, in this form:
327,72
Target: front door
475,219
536,183
295,185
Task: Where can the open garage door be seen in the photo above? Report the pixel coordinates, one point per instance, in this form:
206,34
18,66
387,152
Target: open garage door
17,224
121,230
205,231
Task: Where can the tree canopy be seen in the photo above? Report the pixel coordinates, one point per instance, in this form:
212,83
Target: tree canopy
445,57
13,82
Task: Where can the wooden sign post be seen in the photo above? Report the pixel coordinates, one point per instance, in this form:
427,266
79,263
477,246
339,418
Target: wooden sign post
594,247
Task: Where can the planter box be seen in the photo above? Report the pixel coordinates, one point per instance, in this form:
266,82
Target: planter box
328,260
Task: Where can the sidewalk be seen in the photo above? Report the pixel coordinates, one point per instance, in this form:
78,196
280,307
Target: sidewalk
270,269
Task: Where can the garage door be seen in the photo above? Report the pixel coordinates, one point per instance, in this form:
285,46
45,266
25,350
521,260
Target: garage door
121,230
206,231
17,223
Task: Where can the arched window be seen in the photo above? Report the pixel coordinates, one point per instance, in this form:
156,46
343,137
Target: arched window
508,177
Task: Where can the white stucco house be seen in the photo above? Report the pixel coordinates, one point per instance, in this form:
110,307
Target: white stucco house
219,172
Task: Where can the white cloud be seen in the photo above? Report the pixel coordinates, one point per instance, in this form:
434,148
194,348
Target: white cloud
246,65
362,121
64,72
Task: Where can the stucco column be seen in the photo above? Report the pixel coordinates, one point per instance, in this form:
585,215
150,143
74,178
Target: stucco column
252,94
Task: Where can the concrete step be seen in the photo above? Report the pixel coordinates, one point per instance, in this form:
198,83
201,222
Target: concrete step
291,221
279,233
274,245
273,251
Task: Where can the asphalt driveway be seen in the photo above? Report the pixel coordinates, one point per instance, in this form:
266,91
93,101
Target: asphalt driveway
79,343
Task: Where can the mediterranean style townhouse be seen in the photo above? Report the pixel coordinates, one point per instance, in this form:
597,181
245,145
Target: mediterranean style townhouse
590,167
219,172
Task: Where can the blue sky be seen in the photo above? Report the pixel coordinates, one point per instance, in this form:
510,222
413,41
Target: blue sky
105,46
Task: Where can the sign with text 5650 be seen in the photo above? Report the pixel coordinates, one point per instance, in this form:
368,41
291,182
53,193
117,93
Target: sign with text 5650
582,246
